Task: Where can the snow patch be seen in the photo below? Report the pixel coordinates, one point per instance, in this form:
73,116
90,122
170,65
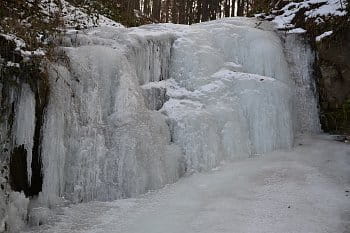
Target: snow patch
323,35
297,31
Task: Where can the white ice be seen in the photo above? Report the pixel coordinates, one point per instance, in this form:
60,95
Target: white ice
301,191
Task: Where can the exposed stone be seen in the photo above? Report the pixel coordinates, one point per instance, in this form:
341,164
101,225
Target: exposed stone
155,98
334,82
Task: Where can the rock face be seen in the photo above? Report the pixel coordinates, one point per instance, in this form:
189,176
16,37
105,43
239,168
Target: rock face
334,82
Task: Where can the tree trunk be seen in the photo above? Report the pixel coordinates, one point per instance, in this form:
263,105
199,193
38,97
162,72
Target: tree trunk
227,8
146,7
156,10
240,7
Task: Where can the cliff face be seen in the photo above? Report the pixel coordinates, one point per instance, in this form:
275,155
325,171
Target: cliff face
334,81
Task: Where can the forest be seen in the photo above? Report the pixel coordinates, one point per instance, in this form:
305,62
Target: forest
186,11
195,11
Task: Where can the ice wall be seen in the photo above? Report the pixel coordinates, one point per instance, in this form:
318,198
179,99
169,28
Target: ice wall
137,108
238,83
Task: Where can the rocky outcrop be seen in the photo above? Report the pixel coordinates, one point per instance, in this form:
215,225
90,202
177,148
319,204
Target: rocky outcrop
334,81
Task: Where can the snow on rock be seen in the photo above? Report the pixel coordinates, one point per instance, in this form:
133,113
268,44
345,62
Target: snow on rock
314,10
140,107
323,35
18,41
330,7
296,30
75,17
21,48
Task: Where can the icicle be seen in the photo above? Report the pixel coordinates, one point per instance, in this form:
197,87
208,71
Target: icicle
24,125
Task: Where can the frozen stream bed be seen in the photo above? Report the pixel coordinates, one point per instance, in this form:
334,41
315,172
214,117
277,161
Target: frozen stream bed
304,190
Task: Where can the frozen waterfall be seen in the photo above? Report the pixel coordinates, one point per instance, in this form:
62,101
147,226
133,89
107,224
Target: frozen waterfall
138,108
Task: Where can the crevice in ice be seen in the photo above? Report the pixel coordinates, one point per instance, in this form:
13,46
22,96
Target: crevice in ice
18,170
155,97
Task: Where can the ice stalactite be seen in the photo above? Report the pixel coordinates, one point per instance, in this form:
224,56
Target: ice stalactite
24,125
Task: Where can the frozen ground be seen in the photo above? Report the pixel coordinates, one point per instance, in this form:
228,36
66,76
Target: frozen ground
304,190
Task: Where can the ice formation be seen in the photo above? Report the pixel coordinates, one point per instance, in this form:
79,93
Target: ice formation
17,211
301,59
24,124
138,108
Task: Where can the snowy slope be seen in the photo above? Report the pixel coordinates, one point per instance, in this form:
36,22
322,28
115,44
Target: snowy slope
302,191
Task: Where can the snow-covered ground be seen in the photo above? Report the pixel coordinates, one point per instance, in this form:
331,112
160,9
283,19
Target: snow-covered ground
304,190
